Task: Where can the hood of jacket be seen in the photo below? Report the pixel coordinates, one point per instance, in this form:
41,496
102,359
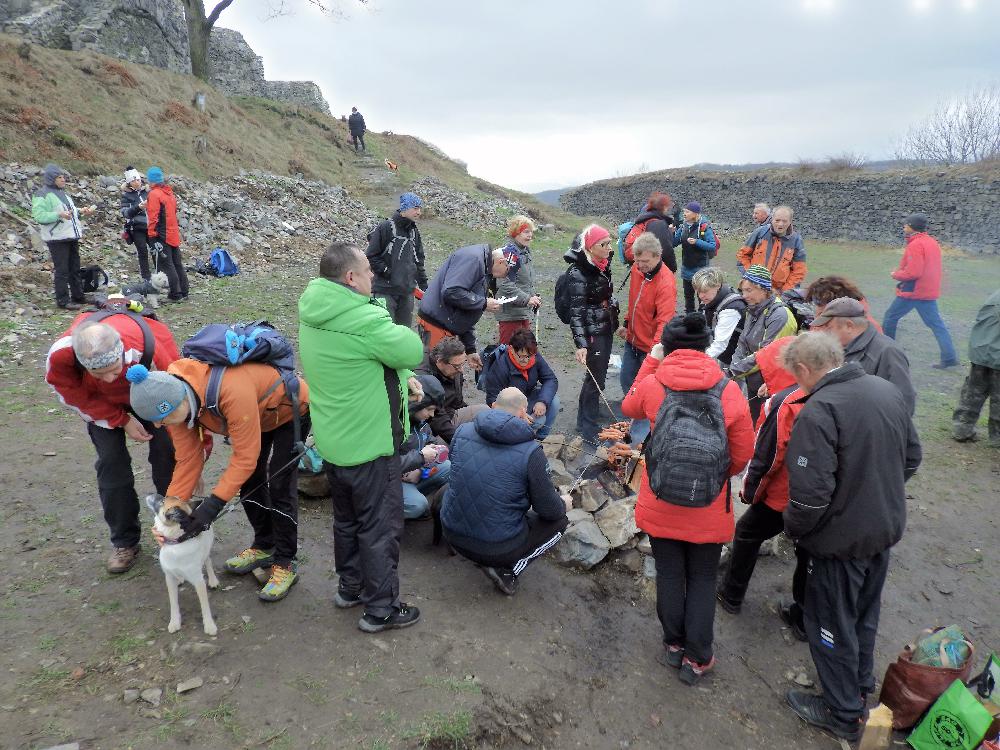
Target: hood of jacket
500,427
647,215
688,370
404,224
323,301
578,256
162,186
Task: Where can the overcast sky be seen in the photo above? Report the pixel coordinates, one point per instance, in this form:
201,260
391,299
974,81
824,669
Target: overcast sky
549,93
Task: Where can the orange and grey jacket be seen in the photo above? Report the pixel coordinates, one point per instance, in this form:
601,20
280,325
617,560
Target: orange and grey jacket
784,257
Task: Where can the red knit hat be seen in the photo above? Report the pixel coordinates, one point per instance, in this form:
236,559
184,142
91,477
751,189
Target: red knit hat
594,234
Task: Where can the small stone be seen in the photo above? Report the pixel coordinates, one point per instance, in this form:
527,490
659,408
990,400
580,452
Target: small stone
803,679
150,713
200,648
46,663
649,567
190,684
65,746
582,546
246,619
131,696
380,645
617,522
578,514
78,673
152,696
592,496
49,454
631,560
572,449
262,575
558,468
644,545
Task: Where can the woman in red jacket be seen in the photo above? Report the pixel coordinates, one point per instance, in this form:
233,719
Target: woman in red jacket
164,233
687,542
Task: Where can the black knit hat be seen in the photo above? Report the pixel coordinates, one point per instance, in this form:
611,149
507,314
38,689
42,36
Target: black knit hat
433,393
686,332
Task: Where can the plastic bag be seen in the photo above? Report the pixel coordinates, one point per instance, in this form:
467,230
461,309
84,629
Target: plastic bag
957,721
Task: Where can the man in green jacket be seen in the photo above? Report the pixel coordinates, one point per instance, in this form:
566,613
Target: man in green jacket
984,375
357,362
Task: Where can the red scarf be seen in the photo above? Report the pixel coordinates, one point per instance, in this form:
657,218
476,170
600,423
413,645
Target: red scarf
523,369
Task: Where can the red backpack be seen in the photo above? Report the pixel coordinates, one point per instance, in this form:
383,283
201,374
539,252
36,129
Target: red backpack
631,237
701,235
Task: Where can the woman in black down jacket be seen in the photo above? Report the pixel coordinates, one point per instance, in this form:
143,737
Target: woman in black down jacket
593,319
133,208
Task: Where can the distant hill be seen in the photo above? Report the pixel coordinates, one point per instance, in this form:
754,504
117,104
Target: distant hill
551,197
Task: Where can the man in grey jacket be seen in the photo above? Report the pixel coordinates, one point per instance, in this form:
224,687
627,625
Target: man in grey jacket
851,451
878,354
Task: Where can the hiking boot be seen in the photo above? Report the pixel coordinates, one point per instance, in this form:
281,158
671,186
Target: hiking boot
503,579
346,601
70,306
279,584
731,607
671,656
692,671
247,560
789,618
812,709
944,365
122,559
402,617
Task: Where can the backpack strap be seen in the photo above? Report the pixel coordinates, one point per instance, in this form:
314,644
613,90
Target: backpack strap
212,392
148,340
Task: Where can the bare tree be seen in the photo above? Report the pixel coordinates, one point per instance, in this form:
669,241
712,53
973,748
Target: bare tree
200,25
961,131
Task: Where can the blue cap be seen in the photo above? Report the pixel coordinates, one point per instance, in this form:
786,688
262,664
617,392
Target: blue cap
409,200
154,175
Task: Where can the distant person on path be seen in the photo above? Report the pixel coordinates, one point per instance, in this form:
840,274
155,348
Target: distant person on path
826,289
61,230
593,320
687,539
657,217
459,294
697,241
501,510
983,381
446,362
86,368
133,208
652,303
358,362
165,234
918,287
877,354
723,308
777,247
396,254
519,365
846,515
356,124
520,282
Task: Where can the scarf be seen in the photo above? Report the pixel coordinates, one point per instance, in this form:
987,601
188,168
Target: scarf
523,369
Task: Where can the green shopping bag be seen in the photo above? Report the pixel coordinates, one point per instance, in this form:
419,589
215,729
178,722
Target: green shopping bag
956,721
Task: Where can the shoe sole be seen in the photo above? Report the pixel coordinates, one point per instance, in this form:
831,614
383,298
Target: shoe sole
727,606
823,728
345,603
243,570
266,598
499,582
119,571
367,627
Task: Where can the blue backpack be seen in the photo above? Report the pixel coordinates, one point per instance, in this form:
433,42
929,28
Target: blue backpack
221,263
623,232
223,346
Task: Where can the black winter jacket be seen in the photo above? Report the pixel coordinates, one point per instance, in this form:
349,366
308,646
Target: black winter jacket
396,257
454,400
851,451
662,226
356,124
593,309
726,299
879,355
135,217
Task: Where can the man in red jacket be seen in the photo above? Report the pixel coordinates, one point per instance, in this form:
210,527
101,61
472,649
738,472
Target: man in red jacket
652,303
86,368
919,286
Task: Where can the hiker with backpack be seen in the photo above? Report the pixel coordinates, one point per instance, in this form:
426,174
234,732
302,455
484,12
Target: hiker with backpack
254,410
423,457
396,254
61,230
517,364
356,126
723,309
698,246
777,247
657,216
701,436
164,233
652,302
133,208
86,368
520,282
584,299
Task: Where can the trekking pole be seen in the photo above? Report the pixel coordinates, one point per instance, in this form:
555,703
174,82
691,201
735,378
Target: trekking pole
601,392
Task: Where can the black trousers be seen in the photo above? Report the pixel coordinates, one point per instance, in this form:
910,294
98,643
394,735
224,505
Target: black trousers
843,602
274,484
358,138
141,252
685,594
116,482
982,383
400,307
542,536
170,262
66,271
755,527
689,305
754,381
592,410
367,527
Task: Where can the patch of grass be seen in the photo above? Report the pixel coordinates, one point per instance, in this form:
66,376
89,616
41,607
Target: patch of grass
47,642
314,691
87,520
124,646
46,678
388,717
452,684
65,140
247,626
441,730
48,519
224,715
107,608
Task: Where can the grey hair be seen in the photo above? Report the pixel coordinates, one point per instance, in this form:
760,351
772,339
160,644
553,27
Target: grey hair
785,209
511,400
646,243
762,206
497,253
94,339
818,351
710,277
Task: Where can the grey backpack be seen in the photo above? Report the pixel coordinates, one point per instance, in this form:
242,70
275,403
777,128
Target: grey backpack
687,454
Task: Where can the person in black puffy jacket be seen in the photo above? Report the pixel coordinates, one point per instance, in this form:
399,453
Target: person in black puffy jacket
133,208
593,319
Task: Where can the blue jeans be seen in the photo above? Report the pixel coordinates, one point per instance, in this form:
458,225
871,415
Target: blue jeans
415,503
632,359
927,309
542,429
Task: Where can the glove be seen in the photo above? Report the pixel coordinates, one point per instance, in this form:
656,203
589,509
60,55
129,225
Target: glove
202,517
156,247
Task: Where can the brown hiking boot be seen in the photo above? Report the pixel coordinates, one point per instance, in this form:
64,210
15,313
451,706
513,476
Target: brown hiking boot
122,559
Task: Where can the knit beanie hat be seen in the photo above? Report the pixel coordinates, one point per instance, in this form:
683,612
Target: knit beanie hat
594,234
154,175
759,275
694,207
917,222
409,200
154,394
688,332
433,394
131,173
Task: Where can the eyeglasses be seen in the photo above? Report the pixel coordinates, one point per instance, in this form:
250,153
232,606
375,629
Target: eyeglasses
604,243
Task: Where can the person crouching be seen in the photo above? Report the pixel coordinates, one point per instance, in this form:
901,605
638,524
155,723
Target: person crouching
425,470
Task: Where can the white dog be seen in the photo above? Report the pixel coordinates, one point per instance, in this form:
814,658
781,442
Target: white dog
184,561
150,291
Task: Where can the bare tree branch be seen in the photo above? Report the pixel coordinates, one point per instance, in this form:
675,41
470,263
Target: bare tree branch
960,131
217,11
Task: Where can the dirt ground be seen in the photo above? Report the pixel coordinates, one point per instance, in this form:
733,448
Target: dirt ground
567,663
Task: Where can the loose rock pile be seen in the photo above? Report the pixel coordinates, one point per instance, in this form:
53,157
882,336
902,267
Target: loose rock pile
462,208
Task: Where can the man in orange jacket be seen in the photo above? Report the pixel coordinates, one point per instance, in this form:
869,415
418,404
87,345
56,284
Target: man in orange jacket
778,247
263,468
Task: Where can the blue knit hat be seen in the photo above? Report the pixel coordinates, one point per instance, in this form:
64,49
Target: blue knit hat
694,207
154,175
409,200
759,275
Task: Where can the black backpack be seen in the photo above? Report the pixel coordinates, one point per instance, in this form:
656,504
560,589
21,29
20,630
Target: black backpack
148,340
687,454
91,278
562,300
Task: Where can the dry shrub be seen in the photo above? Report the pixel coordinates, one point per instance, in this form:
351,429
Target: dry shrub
177,112
121,72
296,165
32,117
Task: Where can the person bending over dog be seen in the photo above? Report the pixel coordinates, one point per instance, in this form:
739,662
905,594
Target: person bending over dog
257,418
